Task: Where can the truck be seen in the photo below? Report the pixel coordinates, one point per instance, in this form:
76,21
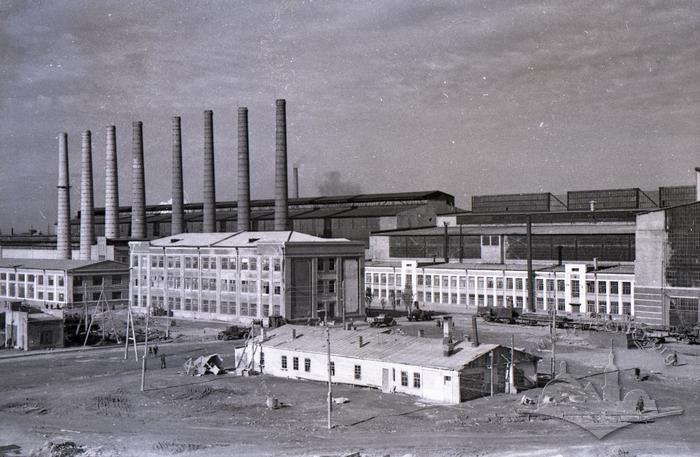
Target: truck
233,332
381,320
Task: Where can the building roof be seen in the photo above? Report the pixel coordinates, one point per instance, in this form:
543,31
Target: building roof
240,239
378,345
603,267
62,264
518,229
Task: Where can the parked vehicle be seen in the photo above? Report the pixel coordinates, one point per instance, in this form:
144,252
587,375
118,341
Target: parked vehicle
381,320
233,332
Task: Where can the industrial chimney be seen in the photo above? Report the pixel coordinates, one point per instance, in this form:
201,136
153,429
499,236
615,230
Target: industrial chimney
177,213
63,239
243,171
87,198
295,182
209,192
138,185
697,183
111,185
281,210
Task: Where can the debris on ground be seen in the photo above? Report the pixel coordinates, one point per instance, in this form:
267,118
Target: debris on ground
340,400
527,400
204,365
63,449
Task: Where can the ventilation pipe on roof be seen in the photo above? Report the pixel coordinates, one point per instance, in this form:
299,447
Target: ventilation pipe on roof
475,333
243,171
178,212
138,183
294,334
63,239
281,209
209,191
359,341
111,184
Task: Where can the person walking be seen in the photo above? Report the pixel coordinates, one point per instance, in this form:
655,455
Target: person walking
155,350
162,361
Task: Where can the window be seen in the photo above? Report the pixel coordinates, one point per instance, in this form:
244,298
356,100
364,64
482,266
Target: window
560,285
499,283
331,264
590,287
295,363
540,284
358,372
447,380
116,295
445,281
331,286
96,281
509,283
307,365
626,288
95,295
575,288
427,280
404,378
489,283
253,263
284,362
613,287
332,368
416,380
266,264
602,287
519,283
276,264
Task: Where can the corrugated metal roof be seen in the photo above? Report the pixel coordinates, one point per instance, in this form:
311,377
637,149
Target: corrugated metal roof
549,229
378,344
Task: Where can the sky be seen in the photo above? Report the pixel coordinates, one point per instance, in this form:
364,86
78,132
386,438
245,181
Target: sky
467,97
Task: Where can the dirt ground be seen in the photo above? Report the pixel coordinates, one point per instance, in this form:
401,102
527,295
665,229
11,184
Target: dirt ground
93,399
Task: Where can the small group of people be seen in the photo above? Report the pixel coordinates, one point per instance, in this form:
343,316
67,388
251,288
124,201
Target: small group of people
153,350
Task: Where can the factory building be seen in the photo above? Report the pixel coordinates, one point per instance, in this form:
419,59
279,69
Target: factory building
27,328
54,285
394,363
245,276
613,252
455,286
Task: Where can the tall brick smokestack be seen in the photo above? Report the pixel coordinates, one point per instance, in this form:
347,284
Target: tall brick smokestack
281,209
295,182
111,185
243,171
63,241
138,184
87,198
178,213
209,192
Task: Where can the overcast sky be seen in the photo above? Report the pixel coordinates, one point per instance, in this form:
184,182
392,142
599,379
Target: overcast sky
465,97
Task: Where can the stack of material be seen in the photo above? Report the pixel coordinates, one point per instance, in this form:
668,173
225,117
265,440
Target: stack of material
204,365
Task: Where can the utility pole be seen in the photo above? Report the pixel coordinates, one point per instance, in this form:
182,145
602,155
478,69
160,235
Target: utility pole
553,330
513,388
330,383
492,372
530,272
145,350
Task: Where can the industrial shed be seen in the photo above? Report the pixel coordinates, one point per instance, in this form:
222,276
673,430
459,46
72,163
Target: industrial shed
389,361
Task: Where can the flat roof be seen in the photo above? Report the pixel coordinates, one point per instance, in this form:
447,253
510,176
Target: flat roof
46,264
377,344
240,239
604,268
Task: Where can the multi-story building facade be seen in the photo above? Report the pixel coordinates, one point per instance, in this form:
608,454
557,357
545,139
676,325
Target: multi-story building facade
248,275
59,284
608,289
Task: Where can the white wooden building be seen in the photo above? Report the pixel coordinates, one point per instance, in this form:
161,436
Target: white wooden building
392,362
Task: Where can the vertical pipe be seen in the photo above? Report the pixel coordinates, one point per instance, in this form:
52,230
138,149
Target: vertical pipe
530,272
243,171
111,185
697,183
295,182
87,198
445,245
281,210
63,237
209,192
178,214
138,184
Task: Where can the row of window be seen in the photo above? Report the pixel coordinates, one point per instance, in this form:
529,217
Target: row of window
32,279
13,290
357,370
210,306
208,262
